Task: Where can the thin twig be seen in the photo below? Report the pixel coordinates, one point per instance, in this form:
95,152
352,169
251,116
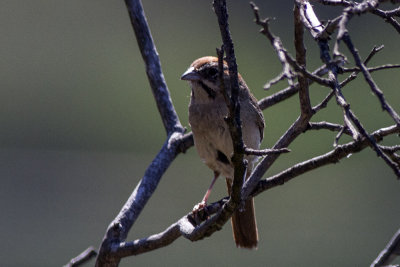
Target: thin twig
350,78
298,127
328,126
276,44
333,156
371,69
82,258
374,87
114,247
387,17
349,116
275,80
288,91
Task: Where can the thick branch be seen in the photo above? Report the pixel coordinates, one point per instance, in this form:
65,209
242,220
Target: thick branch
186,227
113,246
120,226
153,67
264,152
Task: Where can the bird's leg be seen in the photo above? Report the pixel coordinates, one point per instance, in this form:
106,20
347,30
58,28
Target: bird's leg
203,202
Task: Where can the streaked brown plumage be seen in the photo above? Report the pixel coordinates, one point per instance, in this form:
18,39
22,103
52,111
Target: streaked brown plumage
212,139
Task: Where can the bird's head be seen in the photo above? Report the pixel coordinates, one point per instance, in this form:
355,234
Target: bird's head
203,74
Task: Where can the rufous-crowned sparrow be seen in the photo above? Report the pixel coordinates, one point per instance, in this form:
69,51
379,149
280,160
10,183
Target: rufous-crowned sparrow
212,138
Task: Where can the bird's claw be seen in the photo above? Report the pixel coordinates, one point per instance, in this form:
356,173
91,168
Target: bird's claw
199,206
199,212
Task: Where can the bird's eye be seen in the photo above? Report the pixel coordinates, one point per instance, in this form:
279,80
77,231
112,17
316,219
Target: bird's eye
212,72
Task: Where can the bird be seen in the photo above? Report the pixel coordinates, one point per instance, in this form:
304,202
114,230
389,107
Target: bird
212,139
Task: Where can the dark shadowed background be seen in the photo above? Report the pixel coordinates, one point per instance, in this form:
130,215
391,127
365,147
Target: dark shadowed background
79,126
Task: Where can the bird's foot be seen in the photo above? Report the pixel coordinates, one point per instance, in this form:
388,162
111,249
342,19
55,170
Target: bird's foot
200,213
199,206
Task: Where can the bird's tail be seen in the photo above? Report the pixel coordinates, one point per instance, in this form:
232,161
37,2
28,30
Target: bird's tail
244,224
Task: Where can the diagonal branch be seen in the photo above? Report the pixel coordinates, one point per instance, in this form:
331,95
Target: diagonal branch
367,75
153,67
185,227
349,116
297,128
289,91
333,156
391,251
276,44
350,78
388,17
82,258
114,247
175,143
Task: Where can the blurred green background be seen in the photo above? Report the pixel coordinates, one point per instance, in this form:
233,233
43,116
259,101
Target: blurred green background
79,126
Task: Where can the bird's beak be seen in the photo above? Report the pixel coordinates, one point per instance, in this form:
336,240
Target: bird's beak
190,75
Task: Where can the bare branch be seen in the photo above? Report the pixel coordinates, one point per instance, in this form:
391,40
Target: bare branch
197,230
263,152
374,87
390,149
233,118
119,228
393,12
298,127
278,97
351,77
333,156
328,126
307,74
150,243
82,258
214,216
310,20
373,52
391,251
289,91
277,79
153,67
388,17
304,96
335,2
372,69
349,116
276,44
